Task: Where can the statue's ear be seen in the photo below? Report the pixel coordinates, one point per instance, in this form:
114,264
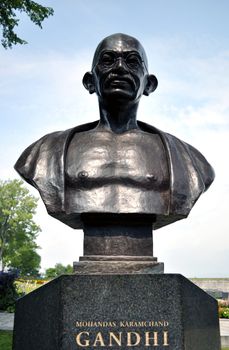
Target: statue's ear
88,82
151,84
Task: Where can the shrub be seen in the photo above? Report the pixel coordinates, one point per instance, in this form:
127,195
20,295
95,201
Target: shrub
8,291
223,303
223,312
25,286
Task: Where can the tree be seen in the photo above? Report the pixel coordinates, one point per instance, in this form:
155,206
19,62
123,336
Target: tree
58,270
18,231
8,18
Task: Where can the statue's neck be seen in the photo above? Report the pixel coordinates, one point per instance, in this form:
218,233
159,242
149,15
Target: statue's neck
118,117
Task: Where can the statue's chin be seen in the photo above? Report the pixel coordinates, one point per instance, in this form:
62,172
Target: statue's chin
120,94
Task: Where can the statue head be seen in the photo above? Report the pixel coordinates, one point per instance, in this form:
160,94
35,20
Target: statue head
120,70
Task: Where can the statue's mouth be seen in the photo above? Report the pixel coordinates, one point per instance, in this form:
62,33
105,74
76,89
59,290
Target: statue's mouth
119,82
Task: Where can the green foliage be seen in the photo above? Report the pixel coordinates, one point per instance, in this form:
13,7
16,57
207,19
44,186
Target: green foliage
25,286
8,18
58,270
224,312
223,308
18,231
6,340
8,291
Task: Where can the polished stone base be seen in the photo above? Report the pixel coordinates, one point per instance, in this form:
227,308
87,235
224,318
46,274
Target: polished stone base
164,311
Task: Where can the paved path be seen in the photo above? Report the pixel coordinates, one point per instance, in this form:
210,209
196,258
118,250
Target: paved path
6,321
224,327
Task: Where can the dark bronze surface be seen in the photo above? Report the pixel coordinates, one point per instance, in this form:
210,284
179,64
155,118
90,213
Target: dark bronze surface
117,173
117,235
117,165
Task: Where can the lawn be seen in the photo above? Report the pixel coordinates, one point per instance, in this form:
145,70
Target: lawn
5,340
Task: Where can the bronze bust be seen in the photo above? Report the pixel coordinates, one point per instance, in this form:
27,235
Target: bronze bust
116,166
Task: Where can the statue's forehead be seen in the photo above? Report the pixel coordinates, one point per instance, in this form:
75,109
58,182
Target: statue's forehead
120,43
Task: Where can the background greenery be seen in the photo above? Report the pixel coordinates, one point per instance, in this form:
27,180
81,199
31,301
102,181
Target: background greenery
18,231
9,18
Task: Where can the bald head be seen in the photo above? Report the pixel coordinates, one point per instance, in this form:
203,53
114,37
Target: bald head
120,70
120,43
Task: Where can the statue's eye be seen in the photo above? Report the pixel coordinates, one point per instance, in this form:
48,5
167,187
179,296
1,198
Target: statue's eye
133,61
107,60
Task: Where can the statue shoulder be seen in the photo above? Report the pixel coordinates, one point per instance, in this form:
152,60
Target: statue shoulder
204,167
199,162
27,161
50,146
185,152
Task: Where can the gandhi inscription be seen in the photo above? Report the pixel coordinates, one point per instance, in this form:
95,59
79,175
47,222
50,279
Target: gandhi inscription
96,334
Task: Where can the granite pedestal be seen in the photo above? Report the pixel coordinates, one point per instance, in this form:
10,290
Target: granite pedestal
164,311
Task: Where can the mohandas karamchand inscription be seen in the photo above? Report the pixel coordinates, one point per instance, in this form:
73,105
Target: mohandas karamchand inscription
96,334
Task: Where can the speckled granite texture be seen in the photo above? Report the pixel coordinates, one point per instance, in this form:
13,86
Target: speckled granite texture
80,312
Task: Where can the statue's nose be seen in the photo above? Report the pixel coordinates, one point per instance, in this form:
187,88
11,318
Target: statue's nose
120,65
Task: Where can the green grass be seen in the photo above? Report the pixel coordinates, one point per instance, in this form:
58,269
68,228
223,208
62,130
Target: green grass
6,340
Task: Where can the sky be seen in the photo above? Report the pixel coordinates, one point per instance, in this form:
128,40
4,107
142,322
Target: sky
187,44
